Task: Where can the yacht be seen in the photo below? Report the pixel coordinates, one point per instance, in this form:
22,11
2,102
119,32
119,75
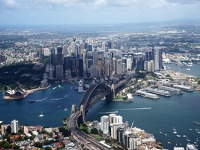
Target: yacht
197,123
188,69
178,135
190,64
41,115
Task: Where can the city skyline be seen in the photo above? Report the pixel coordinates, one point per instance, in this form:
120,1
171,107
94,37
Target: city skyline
38,12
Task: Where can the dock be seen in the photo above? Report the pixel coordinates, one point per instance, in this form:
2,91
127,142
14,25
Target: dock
170,89
146,94
158,91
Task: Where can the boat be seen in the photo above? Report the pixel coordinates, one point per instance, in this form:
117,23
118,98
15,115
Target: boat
59,86
54,88
31,101
197,123
41,115
178,135
188,69
190,64
65,109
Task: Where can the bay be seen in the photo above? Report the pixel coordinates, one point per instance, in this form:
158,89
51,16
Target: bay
167,113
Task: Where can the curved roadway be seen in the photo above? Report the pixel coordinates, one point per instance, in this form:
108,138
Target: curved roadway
82,137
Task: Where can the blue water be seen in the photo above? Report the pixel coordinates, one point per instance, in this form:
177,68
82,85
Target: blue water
51,102
194,70
178,111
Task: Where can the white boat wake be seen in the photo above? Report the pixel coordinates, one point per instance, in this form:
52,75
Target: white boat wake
57,99
146,108
111,112
39,100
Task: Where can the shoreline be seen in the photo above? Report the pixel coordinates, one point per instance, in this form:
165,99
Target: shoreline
26,93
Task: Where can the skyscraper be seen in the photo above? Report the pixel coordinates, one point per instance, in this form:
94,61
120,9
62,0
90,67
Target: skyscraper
14,126
158,59
59,56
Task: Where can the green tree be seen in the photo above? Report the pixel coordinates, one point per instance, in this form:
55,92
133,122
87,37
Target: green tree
15,147
61,129
66,133
38,144
94,131
8,129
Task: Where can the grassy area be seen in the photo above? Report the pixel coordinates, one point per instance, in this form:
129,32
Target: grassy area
97,137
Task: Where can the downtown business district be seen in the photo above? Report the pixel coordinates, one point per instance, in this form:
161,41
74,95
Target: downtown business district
87,59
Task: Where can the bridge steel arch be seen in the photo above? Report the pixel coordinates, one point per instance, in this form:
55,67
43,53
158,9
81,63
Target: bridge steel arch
94,94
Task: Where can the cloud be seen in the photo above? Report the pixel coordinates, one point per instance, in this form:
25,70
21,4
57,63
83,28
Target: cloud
8,3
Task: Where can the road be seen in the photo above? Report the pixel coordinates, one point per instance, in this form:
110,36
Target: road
82,137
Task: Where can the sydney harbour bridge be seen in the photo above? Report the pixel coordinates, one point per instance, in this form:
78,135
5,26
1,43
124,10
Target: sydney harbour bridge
94,94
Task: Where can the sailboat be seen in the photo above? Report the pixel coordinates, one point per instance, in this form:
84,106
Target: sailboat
41,115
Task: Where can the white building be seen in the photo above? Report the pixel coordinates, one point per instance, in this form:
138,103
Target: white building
113,118
105,124
114,127
14,126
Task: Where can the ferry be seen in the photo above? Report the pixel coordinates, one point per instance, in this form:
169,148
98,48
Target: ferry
31,101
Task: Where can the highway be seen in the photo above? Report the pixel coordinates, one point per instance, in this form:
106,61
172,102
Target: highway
88,141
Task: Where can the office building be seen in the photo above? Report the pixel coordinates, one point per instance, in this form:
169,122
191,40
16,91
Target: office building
157,59
59,72
59,56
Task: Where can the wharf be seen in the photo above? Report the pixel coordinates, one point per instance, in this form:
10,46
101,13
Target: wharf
157,91
170,89
146,94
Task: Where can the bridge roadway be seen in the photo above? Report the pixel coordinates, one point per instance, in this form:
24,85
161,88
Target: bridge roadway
89,142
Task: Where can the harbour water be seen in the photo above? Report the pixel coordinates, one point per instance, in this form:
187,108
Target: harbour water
52,102
158,117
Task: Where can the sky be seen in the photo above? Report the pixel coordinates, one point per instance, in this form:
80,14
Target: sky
43,12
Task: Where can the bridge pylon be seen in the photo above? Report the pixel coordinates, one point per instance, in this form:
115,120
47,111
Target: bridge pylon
73,109
82,111
113,90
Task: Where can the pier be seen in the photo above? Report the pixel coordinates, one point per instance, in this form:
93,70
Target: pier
170,89
157,91
146,94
